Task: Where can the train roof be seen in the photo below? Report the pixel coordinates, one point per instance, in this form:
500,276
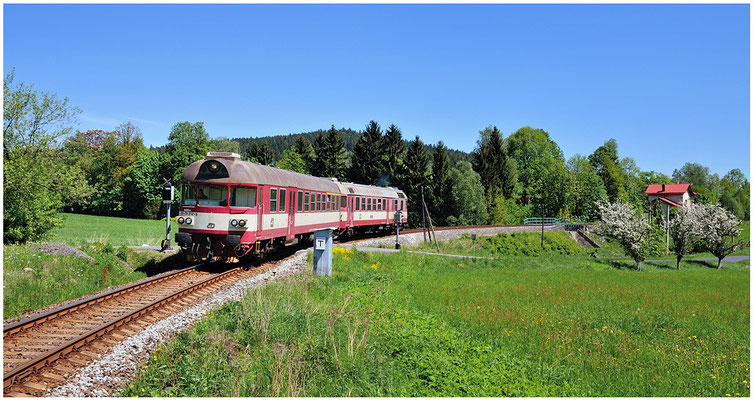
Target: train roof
367,190
239,171
235,170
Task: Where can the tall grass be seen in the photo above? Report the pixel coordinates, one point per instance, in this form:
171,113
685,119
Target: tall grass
409,325
53,279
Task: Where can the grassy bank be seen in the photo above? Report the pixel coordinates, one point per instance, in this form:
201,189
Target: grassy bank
80,228
57,278
411,325
555,243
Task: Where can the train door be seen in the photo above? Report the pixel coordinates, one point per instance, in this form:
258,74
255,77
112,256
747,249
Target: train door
260,210
350,210
291,213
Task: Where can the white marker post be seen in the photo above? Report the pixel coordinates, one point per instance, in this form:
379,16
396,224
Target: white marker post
323,253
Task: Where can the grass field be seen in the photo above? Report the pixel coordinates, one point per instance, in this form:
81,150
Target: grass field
80,228
412,325
54,279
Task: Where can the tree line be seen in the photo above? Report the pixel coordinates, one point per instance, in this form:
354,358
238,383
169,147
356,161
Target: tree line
50,167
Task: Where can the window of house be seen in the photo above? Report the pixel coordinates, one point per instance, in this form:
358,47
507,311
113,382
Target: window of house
243,197
272,200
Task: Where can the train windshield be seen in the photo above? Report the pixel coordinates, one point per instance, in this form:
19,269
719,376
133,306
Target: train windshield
188,195
213,196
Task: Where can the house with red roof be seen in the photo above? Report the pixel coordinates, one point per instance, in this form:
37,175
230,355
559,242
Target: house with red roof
677,195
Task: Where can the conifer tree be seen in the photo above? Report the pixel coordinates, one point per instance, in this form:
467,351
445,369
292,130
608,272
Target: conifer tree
335,146
491,161
394,148
265,155
442,190
304,148
414,175
329,159
367,161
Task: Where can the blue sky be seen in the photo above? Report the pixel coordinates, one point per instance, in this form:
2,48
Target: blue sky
670,82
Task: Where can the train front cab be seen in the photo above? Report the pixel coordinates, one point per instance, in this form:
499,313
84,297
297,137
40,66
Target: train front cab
217,220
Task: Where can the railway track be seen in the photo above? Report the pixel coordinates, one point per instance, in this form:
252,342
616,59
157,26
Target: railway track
42,351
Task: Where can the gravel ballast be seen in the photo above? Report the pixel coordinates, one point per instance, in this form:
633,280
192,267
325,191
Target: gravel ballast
111,371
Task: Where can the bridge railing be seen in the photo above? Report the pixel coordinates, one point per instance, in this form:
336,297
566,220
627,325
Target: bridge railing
555,221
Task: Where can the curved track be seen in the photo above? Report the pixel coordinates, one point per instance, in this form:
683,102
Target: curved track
41,351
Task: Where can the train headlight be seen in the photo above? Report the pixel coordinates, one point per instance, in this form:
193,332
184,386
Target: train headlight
188,221
234,222
214,166
181,220
242,222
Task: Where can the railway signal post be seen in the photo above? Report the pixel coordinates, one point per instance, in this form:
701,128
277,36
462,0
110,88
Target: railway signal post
398,219
323,253
168,194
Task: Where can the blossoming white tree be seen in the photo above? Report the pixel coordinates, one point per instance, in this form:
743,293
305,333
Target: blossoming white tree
684,230
621,222
717,228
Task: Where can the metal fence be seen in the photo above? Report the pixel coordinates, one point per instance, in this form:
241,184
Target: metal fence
556,221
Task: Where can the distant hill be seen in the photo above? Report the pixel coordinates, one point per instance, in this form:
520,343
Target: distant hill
280,143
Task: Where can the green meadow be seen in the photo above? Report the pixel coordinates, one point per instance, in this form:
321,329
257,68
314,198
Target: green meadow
81,228
414,325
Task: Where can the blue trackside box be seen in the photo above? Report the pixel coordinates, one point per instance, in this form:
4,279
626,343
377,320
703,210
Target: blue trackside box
323,253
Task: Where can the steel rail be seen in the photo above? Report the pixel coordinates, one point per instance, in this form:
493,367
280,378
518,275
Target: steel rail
31,322
43,360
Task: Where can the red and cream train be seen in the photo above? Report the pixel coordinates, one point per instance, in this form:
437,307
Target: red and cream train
231,208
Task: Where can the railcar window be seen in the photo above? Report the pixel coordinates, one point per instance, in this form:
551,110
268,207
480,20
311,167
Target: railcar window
306,202
318,202
213,196
283,192
261,191
243,197
395,205
368,204
188,195
358,204
380,204
343,201
272,200
329,202
300,201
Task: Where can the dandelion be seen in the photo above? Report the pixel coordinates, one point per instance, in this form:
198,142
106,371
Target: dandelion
142,389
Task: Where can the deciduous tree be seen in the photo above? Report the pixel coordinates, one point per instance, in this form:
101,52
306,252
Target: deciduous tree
620,221
717,229
683,229
469,201
33,122
292,161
